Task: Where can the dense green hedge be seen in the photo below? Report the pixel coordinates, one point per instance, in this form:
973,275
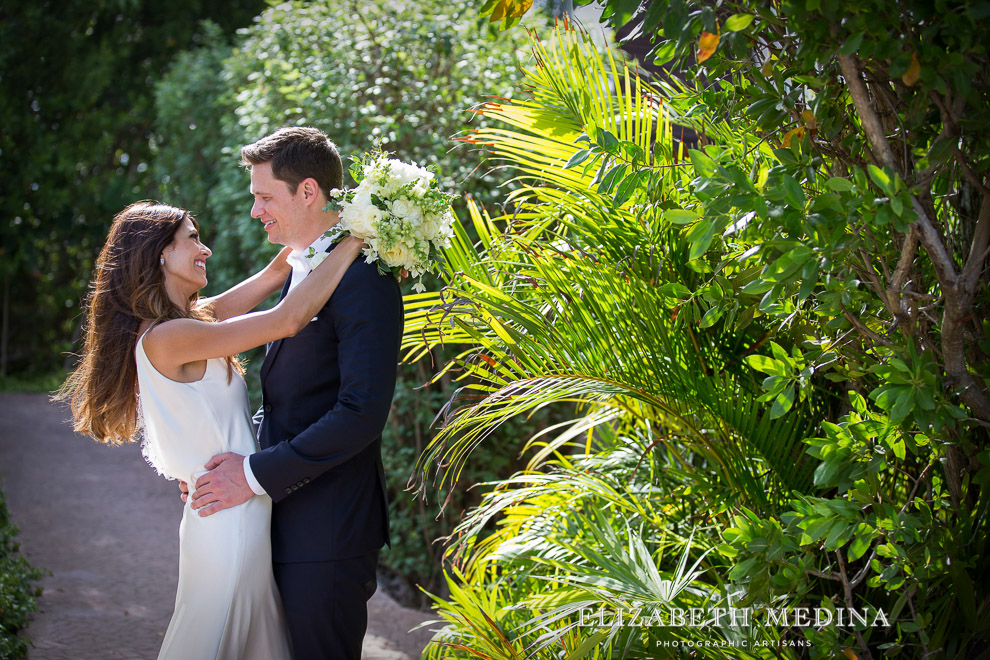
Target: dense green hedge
76,83
17,591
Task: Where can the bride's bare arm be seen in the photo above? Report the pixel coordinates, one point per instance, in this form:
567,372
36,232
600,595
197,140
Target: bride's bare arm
245,296
182,341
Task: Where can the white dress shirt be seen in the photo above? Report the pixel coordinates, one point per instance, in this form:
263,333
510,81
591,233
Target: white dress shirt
303,262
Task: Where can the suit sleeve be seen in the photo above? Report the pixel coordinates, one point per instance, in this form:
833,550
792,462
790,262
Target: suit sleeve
366,310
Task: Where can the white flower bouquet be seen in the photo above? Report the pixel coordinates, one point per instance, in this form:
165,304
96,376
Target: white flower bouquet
399,211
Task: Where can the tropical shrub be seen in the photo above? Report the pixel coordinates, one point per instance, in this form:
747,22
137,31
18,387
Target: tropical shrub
802,389
17,589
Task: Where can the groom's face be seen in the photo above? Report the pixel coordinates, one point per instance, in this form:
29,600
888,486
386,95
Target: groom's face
279,209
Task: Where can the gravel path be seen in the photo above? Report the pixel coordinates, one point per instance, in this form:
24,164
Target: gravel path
106,526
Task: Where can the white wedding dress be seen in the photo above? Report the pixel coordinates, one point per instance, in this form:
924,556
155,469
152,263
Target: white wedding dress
227,606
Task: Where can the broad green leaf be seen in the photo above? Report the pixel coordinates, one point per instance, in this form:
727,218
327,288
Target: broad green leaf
860,544
880,178
793,194
852,44
611,178
765,364
839,184
633,150
738,22
703,165
627,187
680,216
711,316
896,206
833,540
700,237
758,286
782,403
578,158
727,550
676,290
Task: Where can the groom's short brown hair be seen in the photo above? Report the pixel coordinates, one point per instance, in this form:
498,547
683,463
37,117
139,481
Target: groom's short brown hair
297,153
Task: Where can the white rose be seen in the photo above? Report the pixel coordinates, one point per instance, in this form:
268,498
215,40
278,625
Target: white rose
431,227
398,255
415,216
360,217
401,208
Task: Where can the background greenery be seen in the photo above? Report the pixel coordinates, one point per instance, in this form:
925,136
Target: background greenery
76,96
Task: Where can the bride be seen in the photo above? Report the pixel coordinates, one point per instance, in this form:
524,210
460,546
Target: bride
159,359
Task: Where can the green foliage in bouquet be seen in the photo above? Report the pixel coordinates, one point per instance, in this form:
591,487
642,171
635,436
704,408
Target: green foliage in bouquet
777,341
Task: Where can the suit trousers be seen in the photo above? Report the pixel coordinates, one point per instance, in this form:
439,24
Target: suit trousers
326,605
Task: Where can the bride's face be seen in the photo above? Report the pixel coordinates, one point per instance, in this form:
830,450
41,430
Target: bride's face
185,262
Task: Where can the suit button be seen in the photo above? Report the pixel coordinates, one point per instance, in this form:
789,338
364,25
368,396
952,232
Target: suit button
288,491
267,408
306,480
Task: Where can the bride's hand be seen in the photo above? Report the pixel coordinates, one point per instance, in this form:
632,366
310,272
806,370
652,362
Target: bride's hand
352,244
279,265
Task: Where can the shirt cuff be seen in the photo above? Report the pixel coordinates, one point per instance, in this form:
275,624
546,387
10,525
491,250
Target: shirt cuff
252,481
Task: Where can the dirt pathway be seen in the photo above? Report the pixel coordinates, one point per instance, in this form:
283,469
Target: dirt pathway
106,526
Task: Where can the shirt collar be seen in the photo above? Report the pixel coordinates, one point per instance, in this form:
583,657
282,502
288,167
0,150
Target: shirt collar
304,260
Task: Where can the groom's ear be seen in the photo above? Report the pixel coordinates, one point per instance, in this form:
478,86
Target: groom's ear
309,189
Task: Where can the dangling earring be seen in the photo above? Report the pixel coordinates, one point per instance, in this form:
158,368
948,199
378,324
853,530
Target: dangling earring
161,260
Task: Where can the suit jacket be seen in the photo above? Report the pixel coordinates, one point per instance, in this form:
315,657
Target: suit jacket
326,396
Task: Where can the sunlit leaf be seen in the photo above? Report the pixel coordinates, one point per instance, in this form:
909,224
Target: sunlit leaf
739,22
509,9
680,216
707,43
794,132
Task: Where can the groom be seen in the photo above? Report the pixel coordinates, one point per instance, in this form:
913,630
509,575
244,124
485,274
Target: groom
326,395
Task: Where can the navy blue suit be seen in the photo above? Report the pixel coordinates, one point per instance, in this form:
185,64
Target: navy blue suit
326,397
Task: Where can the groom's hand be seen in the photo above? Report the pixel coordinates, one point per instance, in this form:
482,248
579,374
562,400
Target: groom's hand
223,486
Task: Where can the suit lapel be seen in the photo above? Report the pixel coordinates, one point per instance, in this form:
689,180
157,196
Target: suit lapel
273,347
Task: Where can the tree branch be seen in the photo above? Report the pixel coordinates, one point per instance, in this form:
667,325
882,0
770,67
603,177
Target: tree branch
978,250
864,329
910,246
944,267
957,291
851,604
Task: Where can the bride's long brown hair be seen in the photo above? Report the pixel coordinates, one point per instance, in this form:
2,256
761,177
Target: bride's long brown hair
128,288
